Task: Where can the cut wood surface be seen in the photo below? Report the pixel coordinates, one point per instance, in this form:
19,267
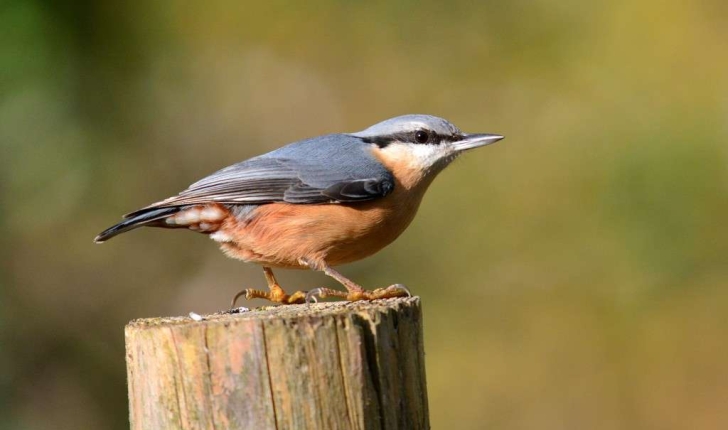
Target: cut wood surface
333,365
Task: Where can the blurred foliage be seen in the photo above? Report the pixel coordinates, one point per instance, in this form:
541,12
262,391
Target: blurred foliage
573,276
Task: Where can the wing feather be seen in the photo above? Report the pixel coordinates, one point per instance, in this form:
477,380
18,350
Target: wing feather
329,169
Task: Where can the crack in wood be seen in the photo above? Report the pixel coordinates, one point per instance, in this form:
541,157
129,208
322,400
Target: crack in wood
180,410
209,372
344,384
270,376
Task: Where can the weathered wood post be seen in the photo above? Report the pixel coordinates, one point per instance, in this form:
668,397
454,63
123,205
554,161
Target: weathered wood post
321,366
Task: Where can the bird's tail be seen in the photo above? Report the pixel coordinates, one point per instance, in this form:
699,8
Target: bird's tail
136,219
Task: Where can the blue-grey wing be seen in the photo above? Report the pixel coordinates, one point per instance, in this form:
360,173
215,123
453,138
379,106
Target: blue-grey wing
328,169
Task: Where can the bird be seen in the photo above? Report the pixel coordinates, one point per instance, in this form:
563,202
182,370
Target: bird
316,203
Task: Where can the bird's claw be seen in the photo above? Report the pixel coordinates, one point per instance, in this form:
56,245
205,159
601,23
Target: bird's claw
313,295
275,295
396,290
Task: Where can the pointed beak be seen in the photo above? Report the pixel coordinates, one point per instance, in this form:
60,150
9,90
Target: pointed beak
470,141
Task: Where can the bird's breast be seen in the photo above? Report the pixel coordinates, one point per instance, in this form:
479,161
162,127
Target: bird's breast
281,234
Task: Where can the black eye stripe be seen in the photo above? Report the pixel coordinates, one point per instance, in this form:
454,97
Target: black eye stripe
411,137
380,141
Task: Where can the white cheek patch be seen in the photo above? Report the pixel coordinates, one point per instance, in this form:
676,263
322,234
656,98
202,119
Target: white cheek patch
428,155
421,157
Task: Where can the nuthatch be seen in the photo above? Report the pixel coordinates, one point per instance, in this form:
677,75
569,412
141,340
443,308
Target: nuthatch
316,203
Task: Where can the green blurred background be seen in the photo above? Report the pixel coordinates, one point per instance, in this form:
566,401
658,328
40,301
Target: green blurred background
572,276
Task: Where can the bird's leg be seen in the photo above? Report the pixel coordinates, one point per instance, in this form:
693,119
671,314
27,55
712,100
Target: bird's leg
354,291
275,293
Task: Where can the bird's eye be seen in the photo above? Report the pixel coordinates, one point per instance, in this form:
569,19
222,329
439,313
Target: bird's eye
422,136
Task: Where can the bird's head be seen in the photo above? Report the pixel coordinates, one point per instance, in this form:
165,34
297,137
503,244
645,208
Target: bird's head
422,143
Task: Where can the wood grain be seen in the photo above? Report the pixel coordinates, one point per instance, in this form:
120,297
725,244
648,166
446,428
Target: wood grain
321,366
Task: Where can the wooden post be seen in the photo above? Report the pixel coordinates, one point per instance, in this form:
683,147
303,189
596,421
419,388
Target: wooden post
321,366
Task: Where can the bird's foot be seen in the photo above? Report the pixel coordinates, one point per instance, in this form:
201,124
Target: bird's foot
275,295
353,295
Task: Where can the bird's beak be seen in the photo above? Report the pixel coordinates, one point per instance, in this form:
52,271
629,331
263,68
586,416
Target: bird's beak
470,141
